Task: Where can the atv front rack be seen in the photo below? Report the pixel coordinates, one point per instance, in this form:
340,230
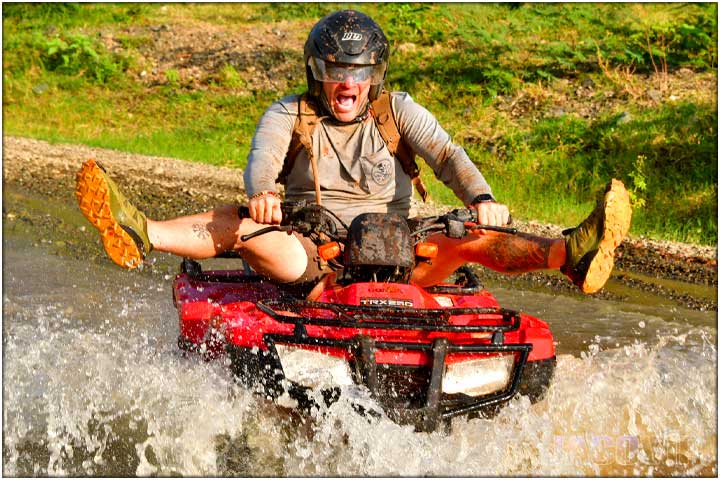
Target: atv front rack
383,317
436,406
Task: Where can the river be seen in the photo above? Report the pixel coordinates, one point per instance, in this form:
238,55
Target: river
95,385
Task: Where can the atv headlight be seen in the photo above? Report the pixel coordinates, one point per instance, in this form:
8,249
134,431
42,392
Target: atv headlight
313,369
478,377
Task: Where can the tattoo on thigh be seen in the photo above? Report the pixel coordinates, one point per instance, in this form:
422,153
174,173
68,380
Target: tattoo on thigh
202,231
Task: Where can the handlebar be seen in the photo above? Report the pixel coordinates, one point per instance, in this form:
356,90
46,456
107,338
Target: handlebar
457,223
306,218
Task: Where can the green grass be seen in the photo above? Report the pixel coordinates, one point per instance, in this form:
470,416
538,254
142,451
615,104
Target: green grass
501,78
200,126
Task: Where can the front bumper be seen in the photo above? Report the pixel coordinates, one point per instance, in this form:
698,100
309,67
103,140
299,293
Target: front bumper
409,394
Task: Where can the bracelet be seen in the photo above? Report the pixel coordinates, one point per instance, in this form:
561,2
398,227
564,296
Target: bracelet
262,194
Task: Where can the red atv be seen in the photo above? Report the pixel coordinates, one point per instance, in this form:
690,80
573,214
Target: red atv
425,355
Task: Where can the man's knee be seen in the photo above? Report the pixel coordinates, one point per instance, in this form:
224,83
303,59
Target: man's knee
295,262
277,255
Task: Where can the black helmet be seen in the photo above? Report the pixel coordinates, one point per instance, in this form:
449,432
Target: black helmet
350,38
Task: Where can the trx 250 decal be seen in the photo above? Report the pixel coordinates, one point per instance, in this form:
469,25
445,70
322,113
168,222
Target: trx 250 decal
386,302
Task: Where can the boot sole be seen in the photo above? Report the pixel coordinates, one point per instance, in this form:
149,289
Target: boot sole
93,197
618,214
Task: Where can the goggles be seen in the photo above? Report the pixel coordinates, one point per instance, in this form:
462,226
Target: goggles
341,72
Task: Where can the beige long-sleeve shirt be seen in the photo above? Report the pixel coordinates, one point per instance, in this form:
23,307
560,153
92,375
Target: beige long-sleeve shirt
357,172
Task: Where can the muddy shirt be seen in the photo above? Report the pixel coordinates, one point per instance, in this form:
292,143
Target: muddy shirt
357,172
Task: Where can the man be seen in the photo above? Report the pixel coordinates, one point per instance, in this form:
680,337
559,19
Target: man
338,155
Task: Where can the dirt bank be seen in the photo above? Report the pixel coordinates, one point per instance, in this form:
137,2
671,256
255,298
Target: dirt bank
166,187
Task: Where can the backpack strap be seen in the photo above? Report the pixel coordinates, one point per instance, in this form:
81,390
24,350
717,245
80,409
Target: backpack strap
384,116
305,124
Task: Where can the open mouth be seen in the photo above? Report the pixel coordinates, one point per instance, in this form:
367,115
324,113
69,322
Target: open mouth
345,102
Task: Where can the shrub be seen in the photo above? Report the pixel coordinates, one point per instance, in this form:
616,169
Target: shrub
79,55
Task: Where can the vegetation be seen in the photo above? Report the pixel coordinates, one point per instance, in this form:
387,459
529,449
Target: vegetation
550,100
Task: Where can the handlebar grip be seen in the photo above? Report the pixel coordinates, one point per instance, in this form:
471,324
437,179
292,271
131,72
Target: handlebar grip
475,217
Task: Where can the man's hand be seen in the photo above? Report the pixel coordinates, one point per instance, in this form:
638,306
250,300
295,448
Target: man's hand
265,209
493,214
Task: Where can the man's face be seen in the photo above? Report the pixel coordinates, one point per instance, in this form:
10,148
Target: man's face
347,99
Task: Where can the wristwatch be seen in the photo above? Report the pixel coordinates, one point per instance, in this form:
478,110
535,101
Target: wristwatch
483,198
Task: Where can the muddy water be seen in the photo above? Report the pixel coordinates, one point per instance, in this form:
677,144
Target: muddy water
94,385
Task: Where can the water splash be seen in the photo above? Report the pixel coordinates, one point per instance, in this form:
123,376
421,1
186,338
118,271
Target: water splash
637,410
94,385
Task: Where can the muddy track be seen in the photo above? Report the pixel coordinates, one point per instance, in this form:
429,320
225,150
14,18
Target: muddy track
43,174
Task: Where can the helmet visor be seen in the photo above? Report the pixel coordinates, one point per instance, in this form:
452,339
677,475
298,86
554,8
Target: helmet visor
341,72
